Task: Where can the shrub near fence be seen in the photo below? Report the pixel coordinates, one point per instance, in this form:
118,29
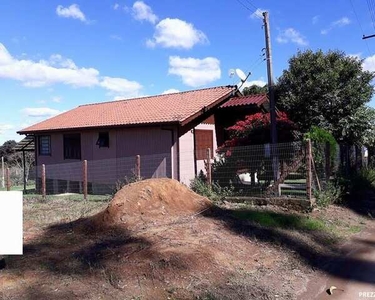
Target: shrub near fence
252,170
301,170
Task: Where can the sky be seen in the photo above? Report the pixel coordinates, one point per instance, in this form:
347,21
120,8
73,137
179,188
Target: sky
57,55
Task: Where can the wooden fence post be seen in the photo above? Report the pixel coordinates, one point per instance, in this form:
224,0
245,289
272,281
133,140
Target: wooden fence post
44,181
308,170
85,179
8,179
138,167
328,160
208,167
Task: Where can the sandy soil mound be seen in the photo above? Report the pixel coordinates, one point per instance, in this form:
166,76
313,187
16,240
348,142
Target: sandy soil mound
150,201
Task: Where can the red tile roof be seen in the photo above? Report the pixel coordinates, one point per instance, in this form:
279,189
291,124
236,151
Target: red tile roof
246,100
171,108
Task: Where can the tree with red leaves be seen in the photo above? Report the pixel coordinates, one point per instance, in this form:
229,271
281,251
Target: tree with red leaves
256,130
253,132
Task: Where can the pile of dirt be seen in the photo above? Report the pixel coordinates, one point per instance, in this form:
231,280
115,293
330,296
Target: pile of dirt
150,201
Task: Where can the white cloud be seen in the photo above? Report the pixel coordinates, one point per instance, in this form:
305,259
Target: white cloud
355,55
195,72
73,11
260,82
60,61
368,63
315,19
5,127
116,37
59,70
290,35
8,132
176,33
116,6
121,86
143,12
40,112
339,23
42,73
56,99
258,13
170,91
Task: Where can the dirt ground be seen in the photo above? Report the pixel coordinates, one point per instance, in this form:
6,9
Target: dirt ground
158,240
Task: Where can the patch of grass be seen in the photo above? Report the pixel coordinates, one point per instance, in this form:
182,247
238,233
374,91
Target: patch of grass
57,209
355,228
280,220
68,197
29,188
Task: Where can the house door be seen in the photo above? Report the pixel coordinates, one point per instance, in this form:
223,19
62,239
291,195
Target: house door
204,139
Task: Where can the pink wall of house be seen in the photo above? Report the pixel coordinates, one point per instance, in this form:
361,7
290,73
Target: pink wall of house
107,165
187,168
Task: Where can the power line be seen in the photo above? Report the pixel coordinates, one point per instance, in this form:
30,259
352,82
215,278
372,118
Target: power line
371,8
244,5
359,23
248,1
249,9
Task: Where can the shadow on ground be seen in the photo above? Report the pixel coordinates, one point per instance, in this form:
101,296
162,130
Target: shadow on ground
84,257
327,258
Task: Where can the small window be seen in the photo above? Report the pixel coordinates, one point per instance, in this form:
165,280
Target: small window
72,146
103,140
44,145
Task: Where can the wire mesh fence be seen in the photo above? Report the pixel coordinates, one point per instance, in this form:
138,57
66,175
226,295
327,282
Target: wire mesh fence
100,177
281,170
262,170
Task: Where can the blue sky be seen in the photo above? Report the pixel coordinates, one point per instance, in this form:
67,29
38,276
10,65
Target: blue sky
56,55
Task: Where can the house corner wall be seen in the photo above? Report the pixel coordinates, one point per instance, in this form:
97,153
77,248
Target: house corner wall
186,154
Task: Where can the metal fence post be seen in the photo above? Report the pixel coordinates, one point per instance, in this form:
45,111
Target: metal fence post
8,179
138,167
44,181
308,169
85,179
208,167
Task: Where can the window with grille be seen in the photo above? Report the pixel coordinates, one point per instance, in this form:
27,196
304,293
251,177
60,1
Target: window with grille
44,145
203,140
103,140
72,146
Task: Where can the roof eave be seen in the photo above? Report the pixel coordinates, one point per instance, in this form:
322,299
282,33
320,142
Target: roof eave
215,104
98,127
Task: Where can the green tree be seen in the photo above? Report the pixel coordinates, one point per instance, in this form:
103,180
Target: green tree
254,90
327,90
7,150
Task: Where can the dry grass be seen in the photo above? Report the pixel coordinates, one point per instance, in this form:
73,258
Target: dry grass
231,252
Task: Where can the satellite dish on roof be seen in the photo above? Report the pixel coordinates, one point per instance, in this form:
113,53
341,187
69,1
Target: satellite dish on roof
241,75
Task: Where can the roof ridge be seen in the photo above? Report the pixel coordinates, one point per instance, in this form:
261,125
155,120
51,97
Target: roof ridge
153,96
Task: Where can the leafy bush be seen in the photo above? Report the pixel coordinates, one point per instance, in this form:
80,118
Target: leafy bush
332,193
214,192
319,138
363,180
127,180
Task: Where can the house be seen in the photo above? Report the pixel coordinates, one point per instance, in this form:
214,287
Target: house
170,133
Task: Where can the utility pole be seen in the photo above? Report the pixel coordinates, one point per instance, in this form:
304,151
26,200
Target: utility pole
2,173
271,92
